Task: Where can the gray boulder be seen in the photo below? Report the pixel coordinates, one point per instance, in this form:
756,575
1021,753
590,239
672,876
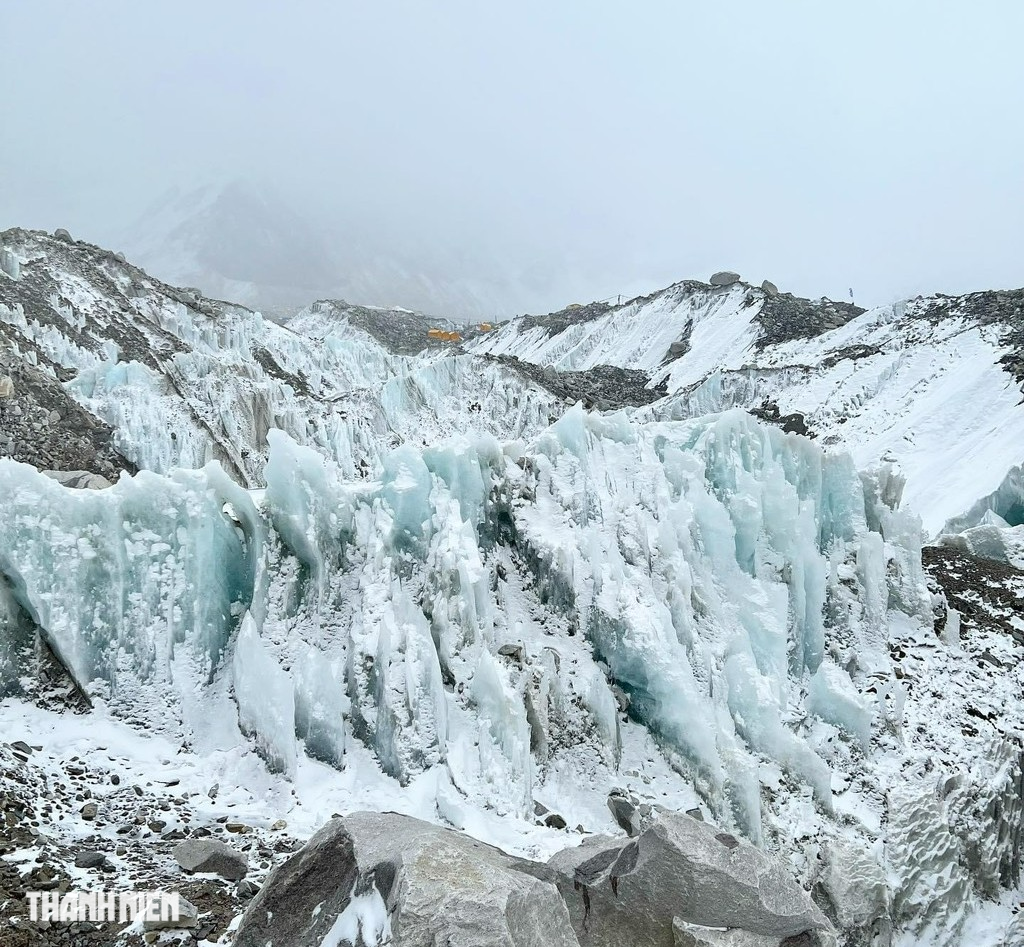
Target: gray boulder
425,885
61,234
770,288
210,855
188,916
724,278
631,891
6,386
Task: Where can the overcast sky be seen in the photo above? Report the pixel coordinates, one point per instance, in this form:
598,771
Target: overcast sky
824,145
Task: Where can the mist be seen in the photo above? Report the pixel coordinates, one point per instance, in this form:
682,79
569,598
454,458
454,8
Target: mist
591,148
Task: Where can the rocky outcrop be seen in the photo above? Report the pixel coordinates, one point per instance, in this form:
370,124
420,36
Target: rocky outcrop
724,278
376,875
678,867
373,876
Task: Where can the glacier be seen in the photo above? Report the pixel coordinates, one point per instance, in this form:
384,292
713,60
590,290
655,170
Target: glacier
412,575
734,582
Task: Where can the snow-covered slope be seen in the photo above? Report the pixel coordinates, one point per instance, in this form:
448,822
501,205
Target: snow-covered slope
932,385
184,379
365,568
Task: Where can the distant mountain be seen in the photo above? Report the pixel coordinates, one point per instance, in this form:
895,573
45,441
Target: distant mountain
245,243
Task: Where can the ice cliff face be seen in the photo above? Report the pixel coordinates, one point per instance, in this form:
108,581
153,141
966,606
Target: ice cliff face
385,562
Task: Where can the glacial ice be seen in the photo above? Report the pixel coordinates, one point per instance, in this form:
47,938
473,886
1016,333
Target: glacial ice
733,581
707,607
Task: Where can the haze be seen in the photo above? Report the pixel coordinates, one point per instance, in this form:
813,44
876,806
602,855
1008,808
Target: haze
610,147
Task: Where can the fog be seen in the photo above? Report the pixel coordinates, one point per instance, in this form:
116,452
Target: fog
600,147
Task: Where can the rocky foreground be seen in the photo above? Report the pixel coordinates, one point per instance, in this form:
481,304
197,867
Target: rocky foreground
374,878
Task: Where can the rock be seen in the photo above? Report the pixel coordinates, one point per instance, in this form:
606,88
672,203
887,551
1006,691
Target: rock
61,234
90,860
622,699
430,885
279,826
247,889
627,811
238,828
6,387
188,916
554,821
724,278
89,811
631,892
513,651
209,855
22,747
678,348
78,479
770,288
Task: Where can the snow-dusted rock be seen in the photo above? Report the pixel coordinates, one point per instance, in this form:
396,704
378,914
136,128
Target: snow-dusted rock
374,878
77,479
724,278
211,855
678,867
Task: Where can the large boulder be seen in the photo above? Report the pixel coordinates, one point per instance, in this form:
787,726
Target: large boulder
373,876
209,855
61,234
724,278
632,891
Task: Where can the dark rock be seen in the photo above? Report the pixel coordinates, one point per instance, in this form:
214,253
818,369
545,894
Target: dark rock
247,889
513,651
724,278
90,860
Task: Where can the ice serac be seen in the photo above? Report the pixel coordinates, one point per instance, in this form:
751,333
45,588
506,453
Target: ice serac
709,606
475,615
138,588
